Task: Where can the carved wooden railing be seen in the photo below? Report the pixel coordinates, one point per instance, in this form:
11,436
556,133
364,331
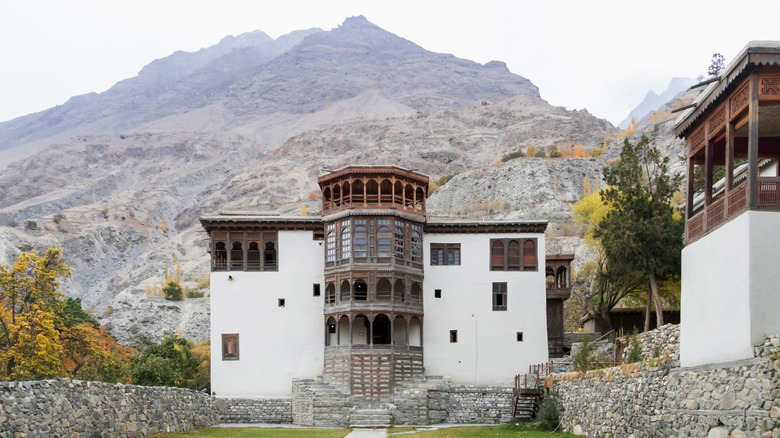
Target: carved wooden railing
769,192
696,226
737,200
715,213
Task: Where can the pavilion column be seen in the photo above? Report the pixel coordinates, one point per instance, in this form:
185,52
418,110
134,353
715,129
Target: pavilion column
689,203
338,330
752,177
708,152
371,331
729,152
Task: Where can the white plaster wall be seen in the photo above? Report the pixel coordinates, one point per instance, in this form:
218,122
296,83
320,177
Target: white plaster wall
715,307
764,274
487,351
276,344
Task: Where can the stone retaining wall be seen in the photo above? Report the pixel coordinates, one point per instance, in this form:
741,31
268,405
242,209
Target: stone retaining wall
65,407
654,398
244,410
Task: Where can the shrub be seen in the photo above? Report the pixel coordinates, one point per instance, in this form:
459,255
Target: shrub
31,225
203,282
194,294
583,357
634,348
57,218
555,153
549,414
109,310
512,156
104,213
540,154
172,291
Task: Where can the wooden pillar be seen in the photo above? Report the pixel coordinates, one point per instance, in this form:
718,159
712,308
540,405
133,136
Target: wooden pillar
689,202
752,178
708,153
729,153
408,320
371,330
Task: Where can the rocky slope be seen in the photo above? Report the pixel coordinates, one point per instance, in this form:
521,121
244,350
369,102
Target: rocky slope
132,198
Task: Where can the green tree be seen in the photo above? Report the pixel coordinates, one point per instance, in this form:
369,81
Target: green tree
555,153
642,234
172,291
169,363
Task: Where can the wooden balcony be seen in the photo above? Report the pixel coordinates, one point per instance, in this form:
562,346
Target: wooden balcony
725,208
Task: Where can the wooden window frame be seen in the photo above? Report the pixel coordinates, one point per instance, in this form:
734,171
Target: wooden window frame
225,338
445,250
499,296
504,258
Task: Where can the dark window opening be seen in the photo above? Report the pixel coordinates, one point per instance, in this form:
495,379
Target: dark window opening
281,302
269,257
361,290
253,256
437,293
220,255
318,235
453,336
499,296
230,346
519,336
316,289
331,328
381,330
236,256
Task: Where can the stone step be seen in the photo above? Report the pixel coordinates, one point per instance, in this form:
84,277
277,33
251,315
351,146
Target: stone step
370,417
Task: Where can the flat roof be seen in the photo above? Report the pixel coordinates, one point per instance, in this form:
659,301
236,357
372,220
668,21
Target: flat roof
445,225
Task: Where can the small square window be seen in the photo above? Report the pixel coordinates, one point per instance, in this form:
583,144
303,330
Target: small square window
437,293
316,289
453,336
281,302
318,235
519,336
230,346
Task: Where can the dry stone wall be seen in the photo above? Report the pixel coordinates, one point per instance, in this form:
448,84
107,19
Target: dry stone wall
65,407
244,410
658,398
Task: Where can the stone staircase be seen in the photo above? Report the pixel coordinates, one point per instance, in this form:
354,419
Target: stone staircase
371,417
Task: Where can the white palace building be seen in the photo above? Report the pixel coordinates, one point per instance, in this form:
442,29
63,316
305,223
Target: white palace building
373,293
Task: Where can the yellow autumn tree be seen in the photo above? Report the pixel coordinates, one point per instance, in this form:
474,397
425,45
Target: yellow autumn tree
587,213
34,349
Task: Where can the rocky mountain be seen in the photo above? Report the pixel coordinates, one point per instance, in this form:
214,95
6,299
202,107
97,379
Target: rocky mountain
652,101
119,179
268,90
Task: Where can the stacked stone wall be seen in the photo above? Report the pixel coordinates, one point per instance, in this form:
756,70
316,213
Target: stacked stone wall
489,404
243,410
658,398
65,407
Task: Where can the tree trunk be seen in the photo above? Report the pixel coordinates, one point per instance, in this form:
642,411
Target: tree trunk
659,310
602,319
647,309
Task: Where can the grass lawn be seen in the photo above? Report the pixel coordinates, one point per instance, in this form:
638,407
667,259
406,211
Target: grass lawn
506,430
261,432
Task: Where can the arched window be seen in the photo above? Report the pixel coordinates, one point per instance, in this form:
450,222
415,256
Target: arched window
220,255
236,256
513,255
399,243
361,290
330,294
361,242
398,193
415,294
330,247
415,332
420,198
357,192
346,242
253,256
409,196
399,330
550,277
383,290
384,242
497,256
381,330
330,332
346,197
336,195
346,292
416,247
399,291
372,192
386,192
529,255
269,257
563,278
326,197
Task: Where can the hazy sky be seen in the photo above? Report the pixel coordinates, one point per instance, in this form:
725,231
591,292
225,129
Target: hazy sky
600,55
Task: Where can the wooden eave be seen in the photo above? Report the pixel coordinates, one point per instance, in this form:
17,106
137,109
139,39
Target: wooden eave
416,217
559,257
261,223
752,56
484,227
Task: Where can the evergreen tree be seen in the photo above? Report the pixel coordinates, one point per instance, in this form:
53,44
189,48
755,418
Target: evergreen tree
641,234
